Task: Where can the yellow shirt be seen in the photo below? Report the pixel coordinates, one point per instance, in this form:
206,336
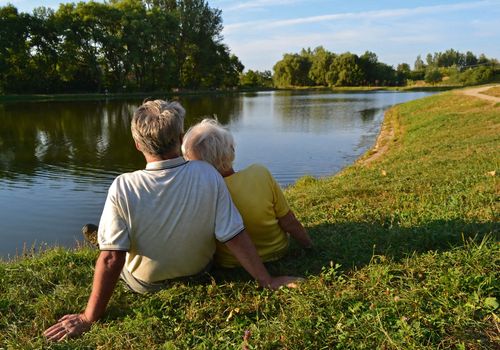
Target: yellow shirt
261,202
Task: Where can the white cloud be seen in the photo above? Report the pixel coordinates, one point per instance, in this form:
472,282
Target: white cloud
366,15
258,4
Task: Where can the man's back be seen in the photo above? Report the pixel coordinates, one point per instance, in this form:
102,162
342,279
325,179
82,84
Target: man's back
166,217
159,223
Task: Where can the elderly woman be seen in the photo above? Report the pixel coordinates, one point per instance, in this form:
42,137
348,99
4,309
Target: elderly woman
255,192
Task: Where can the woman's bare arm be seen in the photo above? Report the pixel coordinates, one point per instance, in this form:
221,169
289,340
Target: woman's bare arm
290,224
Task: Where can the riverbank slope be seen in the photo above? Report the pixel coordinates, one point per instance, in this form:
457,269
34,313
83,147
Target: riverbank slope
406,256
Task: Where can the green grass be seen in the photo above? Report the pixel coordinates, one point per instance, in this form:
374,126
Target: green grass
495,91
375,88
406,257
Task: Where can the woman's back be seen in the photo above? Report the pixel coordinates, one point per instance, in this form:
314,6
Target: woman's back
260,201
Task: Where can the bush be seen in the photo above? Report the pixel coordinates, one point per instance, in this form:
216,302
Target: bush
473,76
433,76
256,79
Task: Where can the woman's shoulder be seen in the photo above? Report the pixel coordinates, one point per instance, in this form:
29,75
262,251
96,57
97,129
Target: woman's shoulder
259,171
257,167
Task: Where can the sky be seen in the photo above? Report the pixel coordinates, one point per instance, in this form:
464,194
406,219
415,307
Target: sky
259,32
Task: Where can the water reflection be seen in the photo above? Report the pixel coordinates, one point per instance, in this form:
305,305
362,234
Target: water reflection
67,135
57,159
81,139
319,113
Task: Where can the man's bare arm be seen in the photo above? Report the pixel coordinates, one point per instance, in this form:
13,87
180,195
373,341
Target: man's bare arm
107,271
290,224
244,250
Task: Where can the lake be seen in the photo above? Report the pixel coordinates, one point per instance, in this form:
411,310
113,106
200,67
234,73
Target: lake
57,159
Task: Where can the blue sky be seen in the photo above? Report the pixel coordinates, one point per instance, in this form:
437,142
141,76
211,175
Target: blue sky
259,32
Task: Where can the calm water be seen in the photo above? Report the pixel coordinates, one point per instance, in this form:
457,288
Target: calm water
57,159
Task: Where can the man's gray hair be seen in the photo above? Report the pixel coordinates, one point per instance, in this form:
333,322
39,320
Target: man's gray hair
157,126
211,142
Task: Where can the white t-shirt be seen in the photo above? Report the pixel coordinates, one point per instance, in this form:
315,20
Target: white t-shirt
166,216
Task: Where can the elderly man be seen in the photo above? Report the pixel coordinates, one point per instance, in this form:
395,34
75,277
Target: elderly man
160,223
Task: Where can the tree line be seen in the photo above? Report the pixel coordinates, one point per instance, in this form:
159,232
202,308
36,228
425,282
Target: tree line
121,45
163,45
320,67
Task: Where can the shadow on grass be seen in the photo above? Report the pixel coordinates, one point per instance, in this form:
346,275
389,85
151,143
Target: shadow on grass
353,244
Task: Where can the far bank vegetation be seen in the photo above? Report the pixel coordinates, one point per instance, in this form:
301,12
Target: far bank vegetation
320,67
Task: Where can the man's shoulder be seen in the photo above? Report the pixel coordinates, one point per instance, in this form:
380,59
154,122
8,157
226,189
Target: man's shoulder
126,180
125,177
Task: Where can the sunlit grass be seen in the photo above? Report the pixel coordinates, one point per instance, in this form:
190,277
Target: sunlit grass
406,257
495,91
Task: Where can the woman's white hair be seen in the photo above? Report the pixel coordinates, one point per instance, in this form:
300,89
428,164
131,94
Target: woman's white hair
211,142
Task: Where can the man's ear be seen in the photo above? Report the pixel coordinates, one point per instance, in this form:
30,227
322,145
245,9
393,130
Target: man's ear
137,146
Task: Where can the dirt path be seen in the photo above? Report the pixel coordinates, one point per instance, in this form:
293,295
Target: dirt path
387,132
476,92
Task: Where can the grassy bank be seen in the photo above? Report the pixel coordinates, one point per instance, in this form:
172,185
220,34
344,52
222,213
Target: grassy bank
493,92
374,88
406,257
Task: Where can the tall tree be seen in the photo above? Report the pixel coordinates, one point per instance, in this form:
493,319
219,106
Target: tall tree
43,44
292,70
419,64
470,59
345,71
14,50
321,60
403,72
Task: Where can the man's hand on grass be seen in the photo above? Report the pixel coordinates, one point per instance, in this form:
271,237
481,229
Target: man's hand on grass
68,326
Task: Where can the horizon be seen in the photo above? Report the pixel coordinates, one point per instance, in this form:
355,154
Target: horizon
260,32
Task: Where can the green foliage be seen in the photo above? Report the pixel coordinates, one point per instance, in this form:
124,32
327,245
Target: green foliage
406,257
403,72
124,45
455,58
474,76
321,61
256,79
345,71
433,75
375,72
14,53
321,67
292,70
419,64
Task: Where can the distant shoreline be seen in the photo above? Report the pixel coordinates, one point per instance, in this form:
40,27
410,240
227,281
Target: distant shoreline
163,94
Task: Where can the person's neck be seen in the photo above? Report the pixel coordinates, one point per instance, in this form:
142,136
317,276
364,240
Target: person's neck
150,158
227,173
